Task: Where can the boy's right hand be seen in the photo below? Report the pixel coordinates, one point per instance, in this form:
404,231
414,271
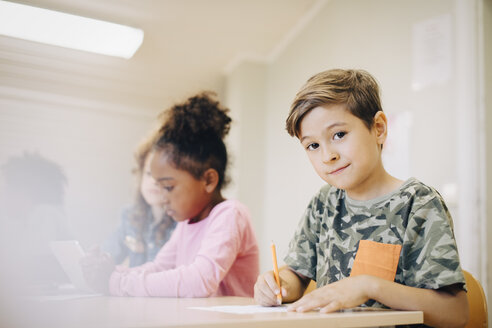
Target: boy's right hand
266,289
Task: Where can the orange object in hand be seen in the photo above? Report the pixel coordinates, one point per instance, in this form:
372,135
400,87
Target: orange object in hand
275,271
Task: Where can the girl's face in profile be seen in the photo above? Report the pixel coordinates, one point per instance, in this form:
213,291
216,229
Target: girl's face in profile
185,197
151,191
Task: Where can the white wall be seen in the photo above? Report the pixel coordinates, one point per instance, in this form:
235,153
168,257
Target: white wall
487,99
247,136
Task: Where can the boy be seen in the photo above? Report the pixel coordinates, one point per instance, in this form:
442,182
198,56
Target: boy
366,237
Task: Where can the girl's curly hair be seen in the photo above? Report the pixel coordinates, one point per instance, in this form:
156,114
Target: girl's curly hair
193,135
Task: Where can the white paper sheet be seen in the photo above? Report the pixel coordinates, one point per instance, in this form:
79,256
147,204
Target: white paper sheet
242,309
432,49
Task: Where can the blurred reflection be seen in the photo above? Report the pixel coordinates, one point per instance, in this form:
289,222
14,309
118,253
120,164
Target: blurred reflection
145,227
31,215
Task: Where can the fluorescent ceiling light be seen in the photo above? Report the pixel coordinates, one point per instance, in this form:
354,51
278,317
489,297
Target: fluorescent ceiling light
70,31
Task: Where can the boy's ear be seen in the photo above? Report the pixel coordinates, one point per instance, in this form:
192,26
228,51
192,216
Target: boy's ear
381,127
210,179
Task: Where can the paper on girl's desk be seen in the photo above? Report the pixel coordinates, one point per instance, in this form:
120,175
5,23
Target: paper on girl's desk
242,309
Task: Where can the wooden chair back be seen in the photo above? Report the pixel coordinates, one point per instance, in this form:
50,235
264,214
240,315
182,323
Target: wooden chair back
310,287
477,302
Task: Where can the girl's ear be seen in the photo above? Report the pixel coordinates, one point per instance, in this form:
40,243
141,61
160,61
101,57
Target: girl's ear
380,127
211,180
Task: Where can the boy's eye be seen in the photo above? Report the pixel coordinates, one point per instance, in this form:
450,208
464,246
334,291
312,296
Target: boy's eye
339,135
312,146
168,188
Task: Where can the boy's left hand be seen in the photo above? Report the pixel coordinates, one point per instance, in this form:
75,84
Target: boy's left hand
346,293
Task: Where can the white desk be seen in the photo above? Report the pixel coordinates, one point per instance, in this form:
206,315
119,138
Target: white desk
107,312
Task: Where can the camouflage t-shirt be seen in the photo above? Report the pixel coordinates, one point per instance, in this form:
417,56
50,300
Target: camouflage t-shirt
414,216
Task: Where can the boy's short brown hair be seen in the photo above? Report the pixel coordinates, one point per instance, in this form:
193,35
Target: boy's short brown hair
356,88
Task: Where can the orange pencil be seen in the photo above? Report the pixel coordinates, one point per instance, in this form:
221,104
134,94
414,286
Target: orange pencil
275,271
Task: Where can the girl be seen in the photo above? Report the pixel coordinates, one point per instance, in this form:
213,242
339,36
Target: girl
213,251
144,227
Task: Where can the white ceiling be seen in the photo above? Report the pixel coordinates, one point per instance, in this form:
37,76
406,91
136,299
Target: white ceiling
188,45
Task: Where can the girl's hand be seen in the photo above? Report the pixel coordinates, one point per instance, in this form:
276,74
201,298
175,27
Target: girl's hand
97,268
346,293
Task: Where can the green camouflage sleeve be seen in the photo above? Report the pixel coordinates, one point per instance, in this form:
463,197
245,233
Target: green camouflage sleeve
302,255
429,253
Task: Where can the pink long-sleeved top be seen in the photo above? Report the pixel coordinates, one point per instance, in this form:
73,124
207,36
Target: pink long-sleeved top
217,256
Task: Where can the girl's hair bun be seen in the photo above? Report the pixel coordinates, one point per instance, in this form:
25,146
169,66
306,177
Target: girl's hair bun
192,135
199,117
